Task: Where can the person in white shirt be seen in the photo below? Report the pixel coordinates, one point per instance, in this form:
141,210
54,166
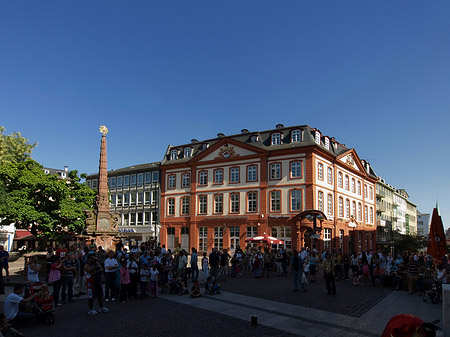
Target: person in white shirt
111,266
11,307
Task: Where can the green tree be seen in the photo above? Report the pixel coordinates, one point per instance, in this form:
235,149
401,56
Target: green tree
14,147
42,203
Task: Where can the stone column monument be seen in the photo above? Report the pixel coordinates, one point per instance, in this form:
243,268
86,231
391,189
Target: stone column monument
101,223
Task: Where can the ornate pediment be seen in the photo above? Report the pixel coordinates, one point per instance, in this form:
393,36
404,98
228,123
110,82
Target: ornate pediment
227,152
350,161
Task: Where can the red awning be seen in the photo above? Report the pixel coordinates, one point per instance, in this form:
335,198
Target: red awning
23,234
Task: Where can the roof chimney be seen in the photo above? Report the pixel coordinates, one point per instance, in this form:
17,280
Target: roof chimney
220,135
244,131
66,168
193,140
280,126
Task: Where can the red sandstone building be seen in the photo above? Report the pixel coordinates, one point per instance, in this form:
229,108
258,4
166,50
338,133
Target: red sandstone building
219,192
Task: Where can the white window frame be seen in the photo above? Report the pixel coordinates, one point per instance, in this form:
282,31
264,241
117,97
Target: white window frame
235,202
276,138
296,169
252,173
187,152
218,176
275,171
202,204
203,178
252,203
296,200
320,201
185,205
234,175
186,180
296,136
320,171
275,201
327,238
202,239
171,181
218,203
171,206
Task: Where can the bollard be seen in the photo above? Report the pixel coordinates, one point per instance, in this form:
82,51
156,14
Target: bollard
254,320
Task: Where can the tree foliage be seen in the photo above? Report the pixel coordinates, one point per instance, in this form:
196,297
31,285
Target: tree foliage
14,147
41,202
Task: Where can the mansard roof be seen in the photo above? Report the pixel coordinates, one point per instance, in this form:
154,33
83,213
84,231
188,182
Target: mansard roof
261,140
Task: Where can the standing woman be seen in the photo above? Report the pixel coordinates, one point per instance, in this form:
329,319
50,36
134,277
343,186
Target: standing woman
328,266
205,269
134,275
355,268
312,261
55,277
32,270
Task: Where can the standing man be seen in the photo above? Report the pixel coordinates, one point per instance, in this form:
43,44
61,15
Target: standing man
413,274
302,260
194,264
214,262
111,265
328,266
4,256
93,272
68,275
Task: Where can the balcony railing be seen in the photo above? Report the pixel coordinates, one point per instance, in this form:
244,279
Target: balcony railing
381,208
381,194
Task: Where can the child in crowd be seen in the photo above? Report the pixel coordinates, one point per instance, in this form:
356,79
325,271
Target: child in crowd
124,282
195,290
145,275
154,277
43,293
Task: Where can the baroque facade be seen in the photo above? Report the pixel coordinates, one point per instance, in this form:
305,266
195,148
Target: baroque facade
221,191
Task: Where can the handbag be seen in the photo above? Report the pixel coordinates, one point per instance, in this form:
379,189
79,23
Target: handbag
54,275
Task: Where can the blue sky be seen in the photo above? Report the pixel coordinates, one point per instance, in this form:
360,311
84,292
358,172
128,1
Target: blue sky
373,74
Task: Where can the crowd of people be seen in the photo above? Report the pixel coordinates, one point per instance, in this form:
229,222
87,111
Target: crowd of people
142,272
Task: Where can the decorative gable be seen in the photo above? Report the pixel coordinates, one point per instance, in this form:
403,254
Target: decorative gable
350,161
227,151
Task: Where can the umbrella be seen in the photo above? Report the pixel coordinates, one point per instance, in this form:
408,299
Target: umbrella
437,246
265,239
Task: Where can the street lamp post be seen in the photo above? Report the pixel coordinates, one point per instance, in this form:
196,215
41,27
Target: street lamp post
314,215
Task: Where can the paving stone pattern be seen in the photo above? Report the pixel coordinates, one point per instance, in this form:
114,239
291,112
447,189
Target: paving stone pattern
350,300
146,318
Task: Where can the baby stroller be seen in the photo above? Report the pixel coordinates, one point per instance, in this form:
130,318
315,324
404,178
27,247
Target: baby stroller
42,308
176,286
434,293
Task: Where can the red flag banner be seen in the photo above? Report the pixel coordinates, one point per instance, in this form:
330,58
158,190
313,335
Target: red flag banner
437,246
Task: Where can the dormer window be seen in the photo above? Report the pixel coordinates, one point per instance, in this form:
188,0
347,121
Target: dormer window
276,139
173,154
187,152
327,143
254,138
317,137
296,136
